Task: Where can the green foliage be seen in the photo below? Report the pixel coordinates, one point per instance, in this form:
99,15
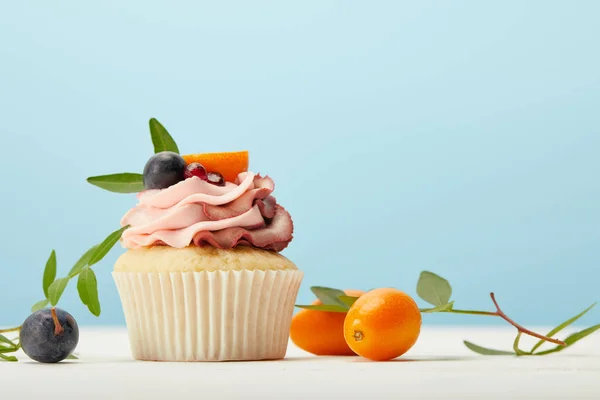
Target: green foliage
161,139
329,296
443,308
348,300
8,346
87,287
126,182
434,289
325,307
103,248
49,272
39,305
571,340
562,326
485,351
56,290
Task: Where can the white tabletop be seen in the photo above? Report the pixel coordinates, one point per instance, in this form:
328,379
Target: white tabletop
439,366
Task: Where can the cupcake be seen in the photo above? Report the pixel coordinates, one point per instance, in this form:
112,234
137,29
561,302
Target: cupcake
203,278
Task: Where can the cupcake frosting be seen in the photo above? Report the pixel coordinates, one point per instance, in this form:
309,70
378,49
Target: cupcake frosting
197,212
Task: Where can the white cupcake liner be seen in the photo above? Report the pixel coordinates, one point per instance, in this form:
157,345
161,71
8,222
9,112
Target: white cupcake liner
208,316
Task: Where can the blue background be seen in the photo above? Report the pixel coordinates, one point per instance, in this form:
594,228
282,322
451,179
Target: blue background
460,137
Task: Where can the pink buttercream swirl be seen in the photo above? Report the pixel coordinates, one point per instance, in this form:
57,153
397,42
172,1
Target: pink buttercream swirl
197,212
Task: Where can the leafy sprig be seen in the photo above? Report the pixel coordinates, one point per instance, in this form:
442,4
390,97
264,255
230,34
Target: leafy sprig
8,346
128,182
437,291
87,286
53,288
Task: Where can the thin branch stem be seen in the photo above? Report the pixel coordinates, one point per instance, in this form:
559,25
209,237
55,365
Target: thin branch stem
501,314
15,329
521,328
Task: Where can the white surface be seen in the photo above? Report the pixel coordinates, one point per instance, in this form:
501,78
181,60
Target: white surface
439,366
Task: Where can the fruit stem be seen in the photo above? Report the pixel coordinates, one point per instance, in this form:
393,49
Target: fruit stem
521,328
358,336
58,329
16,328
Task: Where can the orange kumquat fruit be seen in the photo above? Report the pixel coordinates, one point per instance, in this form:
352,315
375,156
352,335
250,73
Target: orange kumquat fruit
321,332
382,324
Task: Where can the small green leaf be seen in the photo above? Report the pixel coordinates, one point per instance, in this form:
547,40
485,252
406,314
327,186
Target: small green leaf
56,290
72,357
549,351
576,337
4,339
434,289
329,296
87,286
326,307
518,351
571,340
8,358
40,305
82,262
161,139
485,351
348,300
562,326
104,247
10,349
442,308
119,183
49,272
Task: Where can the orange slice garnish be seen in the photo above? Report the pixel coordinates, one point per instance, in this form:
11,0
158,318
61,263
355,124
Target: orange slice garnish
230,164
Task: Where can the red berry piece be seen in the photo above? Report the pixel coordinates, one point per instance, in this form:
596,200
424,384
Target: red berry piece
196,169
216,178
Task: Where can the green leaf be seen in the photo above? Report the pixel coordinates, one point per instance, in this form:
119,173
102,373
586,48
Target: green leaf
119,183
87,286
433,289
82,262
40,305
562,326
8,358
518,351
325,307
49,272
4,349
329,296
104,247
576,337
161,139
56,290
72,357
485,351
348,300
442,308
571,340
4,339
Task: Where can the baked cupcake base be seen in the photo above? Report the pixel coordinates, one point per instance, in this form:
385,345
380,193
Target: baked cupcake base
181,312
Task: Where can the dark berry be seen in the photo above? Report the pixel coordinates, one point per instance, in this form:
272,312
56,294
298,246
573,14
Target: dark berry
216,178
196,169
49,335
163,169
